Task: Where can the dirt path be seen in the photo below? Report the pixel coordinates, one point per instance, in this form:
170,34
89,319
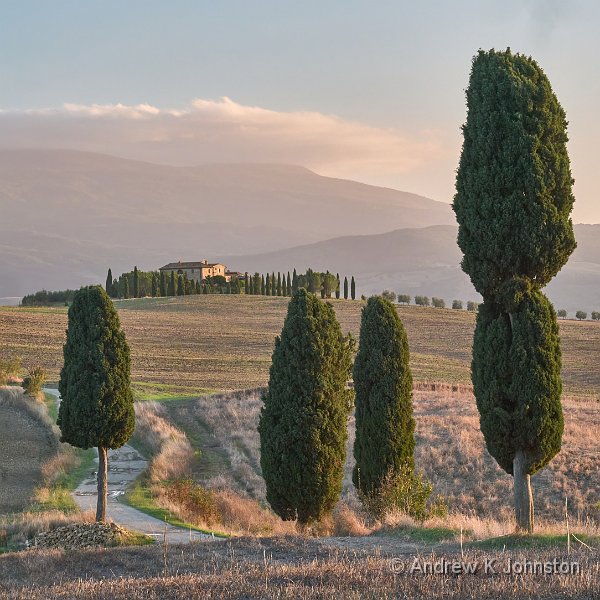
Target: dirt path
124,467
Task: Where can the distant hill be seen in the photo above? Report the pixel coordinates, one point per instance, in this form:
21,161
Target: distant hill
427,261
65,216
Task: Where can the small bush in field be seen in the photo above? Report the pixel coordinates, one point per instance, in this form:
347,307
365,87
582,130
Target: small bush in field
9,368
194,499
34,381
457,304
408,493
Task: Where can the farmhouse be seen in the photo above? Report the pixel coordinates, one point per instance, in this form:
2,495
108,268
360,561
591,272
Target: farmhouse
197,271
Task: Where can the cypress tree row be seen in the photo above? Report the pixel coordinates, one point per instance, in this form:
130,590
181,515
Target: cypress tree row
97,404
513,201
109,279
303,421
352,289
384,444
345,288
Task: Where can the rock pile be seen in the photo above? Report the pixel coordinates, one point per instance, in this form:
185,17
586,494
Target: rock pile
81,535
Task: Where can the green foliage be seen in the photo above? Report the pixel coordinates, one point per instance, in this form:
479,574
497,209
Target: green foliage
194,499
154,286
561,314
516,380
329,283
303,422
389,295
337,286
172,284
384,443
180,285
279,290
353,289
581,315
457,304
595,315
421,300
109,280
268,285
126,288
345,288
438,302
407,492
273,285
289,284
472,306
45,298
513,186
163,283
34,381
10,367
97,403
136,283
403,299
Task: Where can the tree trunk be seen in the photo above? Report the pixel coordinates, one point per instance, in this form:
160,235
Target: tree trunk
102,484
523,494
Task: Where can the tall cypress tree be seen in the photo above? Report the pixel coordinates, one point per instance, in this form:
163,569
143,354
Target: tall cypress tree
513,201
273,284
180,285
303,422
198,287
109,279
154,285
262,286
385,442
345,288
268,285
172,284
352,288
279,289
136,283
337,289
125,287
289,284
294,282
97,404
284,291
249,289
163,283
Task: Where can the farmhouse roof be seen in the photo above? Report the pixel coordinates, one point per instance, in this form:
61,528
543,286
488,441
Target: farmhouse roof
189,265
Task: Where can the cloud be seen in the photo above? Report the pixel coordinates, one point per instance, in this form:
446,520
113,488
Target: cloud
224,131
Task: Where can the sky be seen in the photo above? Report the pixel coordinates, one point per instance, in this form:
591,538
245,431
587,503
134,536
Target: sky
370,91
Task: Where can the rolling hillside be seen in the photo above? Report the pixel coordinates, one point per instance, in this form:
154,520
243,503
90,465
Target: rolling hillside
67,215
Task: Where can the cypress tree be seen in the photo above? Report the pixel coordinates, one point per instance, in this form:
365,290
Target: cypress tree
345,288
180,286
294,282
289,284
279,289
273,285
303,421
97,404
337,289
136,283
246,282
198,287
262,286
385,426
172,288
352,288
163,283
268,285
125,287
513,201
154,286
284,291
249,289
109,279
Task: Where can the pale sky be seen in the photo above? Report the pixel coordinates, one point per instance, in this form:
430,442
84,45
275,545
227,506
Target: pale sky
371,91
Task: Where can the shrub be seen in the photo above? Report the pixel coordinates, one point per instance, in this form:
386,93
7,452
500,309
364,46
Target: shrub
9,368
407,492
595,315
438,302
34,381
193,499
388,295
472,306
403,298
421,300
581,315
457,304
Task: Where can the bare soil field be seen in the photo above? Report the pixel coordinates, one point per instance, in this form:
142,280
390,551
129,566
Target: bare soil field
301,568
186,346
27,444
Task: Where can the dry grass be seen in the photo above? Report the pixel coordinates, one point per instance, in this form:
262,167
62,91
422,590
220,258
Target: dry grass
224,342
450,450
278,568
